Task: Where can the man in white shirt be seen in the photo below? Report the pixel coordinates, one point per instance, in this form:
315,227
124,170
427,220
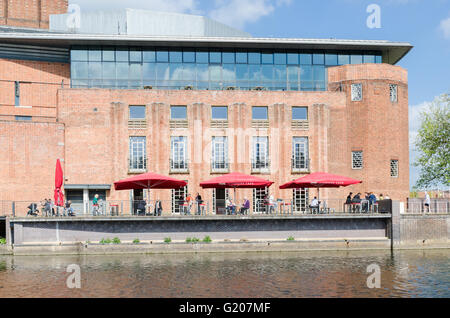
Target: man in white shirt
427,202
272,204
314,205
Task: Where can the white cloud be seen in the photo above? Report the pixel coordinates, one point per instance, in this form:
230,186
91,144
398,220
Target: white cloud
445,27
238,13
180,6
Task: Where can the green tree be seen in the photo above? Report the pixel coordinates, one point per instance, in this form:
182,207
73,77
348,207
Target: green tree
433,144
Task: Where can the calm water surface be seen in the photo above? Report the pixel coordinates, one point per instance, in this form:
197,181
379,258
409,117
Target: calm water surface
249,275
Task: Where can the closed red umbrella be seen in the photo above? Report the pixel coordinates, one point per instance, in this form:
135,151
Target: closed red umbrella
320,180
149,181
59,179
236,180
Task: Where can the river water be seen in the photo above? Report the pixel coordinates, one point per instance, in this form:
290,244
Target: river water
247,275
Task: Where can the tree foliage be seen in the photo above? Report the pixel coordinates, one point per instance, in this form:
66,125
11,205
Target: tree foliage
433,144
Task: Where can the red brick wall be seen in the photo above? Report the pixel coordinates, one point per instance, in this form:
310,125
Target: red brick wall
30,13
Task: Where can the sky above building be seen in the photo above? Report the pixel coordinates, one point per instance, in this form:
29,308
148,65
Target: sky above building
423,23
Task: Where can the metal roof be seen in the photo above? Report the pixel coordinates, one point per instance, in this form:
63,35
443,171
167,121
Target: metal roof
392,51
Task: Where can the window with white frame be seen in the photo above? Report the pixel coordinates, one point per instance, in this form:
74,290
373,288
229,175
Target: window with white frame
179,158
178,196
394,168
259,195
260,154
393,90
357,93
300,199
357,160
138,154
300,158
219,153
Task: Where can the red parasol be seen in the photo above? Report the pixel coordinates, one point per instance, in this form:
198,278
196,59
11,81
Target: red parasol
59,178
149,181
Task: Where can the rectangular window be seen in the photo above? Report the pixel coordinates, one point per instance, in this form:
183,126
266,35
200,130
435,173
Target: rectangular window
357,160
241,58
300,198
219,160
178,112
178,196
219,112
306,59
228,57
299,113
260,154
357,93
260,113
331,59
138,154
292,58
254,58
178,158
394,168
16,93
267,58
259,196
23,118
300,157
393,89
137,112
188,57
356,59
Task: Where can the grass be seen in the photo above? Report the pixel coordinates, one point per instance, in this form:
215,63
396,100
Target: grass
167,240
291,238
105,241
207,239
2,241
116,240
136,241
192,240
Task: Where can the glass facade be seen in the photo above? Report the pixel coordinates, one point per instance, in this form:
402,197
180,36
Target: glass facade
138,68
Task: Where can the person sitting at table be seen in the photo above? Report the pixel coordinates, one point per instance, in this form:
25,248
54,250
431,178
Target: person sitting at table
314,205
141,207
230,207
372,199
381,197
356,201
245,207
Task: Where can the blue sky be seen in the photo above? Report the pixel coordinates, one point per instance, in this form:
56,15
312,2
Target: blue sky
424,24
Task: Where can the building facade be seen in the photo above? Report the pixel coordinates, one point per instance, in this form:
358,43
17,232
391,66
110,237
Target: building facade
111,106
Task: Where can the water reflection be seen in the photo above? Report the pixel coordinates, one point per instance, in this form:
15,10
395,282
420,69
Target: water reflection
306,274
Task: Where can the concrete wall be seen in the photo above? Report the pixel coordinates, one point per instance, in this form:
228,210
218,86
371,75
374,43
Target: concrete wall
424,230
28,231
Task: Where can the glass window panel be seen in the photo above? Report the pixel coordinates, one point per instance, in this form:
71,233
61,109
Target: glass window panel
318,59
215,57
280,73
189,73
202,57
149,70
178,112
267,73
254,58
369,58
122,55
162,56
343,59
254,73
135,71
259,113
219,112
109,70
378,59
176,57
306,73
241,57
136,56
149,56
162,71
267,58
279,58
176,71
293,77
95,55
215,73
79,70
356,59
319,72
305,59
228,57
95,70
189,57
109,55
242,71
300,113
137,112
122,70
293,58
331,59
229,72
79,55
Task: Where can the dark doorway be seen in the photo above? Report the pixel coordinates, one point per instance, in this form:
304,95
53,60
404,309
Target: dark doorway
220,201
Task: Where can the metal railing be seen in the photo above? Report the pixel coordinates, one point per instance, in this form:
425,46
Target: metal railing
437,206
179,166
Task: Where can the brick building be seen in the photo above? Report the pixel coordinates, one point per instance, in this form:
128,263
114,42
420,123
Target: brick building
113,105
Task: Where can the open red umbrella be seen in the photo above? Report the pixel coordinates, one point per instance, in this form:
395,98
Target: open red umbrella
59,178
149,181
320,180
236,180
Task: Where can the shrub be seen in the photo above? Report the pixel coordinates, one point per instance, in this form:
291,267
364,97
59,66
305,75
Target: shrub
136,241
188,240
167,240
2,241
105,241
116,240
291,238
207,239
195,240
